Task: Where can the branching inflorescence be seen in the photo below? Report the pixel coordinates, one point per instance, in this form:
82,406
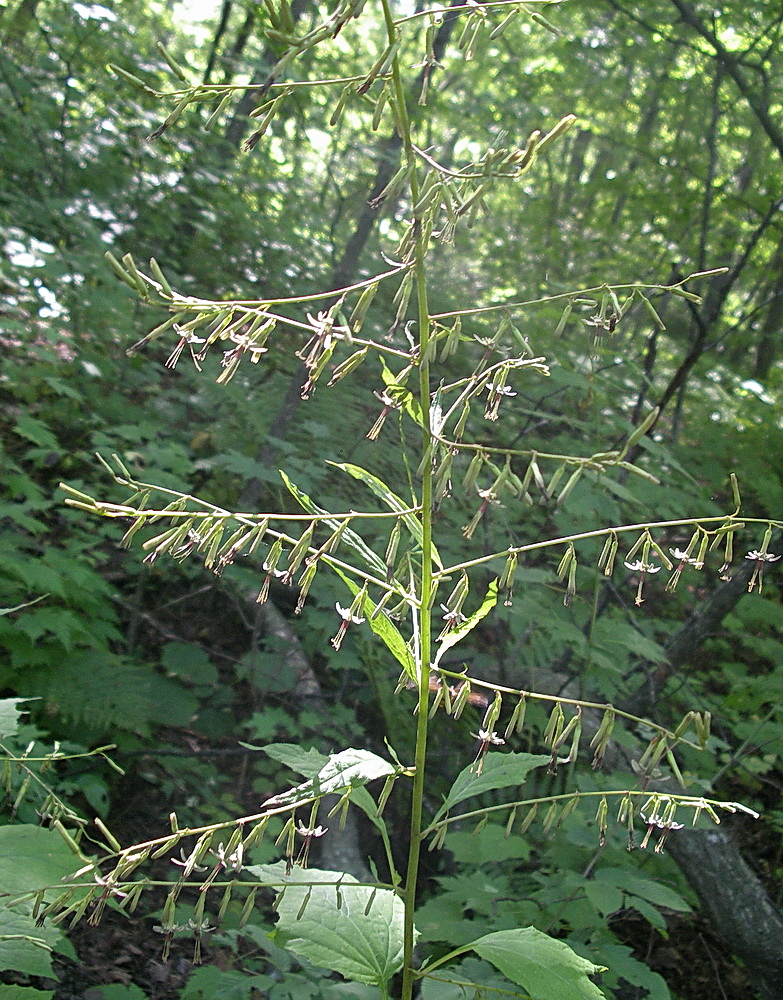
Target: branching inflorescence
397,580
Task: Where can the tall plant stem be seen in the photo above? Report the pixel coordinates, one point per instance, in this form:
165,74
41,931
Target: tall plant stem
425,593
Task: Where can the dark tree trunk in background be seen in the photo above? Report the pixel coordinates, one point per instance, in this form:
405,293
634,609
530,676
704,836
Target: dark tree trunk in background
20,22
217,39
767,346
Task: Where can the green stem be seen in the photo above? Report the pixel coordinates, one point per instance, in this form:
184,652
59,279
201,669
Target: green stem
425,620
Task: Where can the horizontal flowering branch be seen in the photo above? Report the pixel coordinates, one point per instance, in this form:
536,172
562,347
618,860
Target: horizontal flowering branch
722,523
636,286
648,802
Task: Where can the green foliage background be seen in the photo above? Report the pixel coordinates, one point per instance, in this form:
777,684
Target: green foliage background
670,169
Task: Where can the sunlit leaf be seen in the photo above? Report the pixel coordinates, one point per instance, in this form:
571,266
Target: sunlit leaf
355,930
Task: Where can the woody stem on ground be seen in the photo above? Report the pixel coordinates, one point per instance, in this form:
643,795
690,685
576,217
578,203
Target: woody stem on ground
425,633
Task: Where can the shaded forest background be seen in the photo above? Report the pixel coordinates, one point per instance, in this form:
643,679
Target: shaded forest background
674,166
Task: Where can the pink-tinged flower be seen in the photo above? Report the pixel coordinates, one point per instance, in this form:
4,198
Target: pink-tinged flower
309,834
486,738
642,568
348,618
487,498
244,345
496,394
185,337
758,571
684,560
234,860
388,405
452,618
665,826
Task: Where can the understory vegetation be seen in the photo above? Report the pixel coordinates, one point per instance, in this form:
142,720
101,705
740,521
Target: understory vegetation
392,487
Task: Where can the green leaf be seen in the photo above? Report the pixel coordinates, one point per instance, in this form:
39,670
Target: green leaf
653,916
346,769
471,978
349,536
32,857
392,501
9,715
492,847
607,899
621,492
306,762
358,932
384,628
548,969
453,637
60,622
653,892
501,770
23,946
622,963
37,432
212,983
401,395
188,661
24,993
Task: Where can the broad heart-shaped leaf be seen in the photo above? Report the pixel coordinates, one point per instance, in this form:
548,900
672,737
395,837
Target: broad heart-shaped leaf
24,947
351,929
384,628
392,501
501,770
346,769
454,635
349,537
32,857
548,969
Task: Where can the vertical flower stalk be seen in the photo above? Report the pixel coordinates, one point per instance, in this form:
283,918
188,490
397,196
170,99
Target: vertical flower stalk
398,99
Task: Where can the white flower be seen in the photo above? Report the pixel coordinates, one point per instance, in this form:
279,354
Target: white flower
683,557
642,567
488,737
347,615
762,556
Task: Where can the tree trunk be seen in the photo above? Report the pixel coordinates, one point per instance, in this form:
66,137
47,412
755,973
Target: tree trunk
20,23
769,335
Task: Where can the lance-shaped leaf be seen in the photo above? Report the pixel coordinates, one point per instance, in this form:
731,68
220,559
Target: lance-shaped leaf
460,631
349,537
403,397
346,769
500,770
351,929
384,628
392,501
545,967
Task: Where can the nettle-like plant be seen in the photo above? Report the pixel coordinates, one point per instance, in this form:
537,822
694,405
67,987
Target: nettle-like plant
396,582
